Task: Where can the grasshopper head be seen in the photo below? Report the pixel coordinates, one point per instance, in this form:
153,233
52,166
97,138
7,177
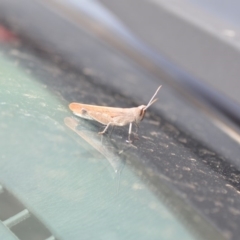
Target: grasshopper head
141,114
142,109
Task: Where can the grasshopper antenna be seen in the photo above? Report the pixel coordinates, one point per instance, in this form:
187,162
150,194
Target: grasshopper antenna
152,100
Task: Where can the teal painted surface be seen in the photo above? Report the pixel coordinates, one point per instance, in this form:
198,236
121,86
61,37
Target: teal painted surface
5,234
65,181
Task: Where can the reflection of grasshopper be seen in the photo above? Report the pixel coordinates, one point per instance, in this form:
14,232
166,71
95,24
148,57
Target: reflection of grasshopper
111,153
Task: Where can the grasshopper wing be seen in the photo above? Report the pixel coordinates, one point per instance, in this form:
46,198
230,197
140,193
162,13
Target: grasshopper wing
100,114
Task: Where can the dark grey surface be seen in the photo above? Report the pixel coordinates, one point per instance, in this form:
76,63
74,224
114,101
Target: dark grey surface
181,147
191,37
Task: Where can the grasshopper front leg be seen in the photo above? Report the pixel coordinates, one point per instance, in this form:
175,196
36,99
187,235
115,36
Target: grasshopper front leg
129,133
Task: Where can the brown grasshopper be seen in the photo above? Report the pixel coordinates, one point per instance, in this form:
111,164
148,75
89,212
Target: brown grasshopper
111,115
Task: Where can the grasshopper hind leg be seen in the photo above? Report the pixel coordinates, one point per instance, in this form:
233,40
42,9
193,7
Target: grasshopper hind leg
105,129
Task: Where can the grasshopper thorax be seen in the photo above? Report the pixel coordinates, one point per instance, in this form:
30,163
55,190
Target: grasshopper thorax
141,113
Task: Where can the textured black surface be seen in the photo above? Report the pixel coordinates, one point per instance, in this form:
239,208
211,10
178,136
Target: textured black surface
189,162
